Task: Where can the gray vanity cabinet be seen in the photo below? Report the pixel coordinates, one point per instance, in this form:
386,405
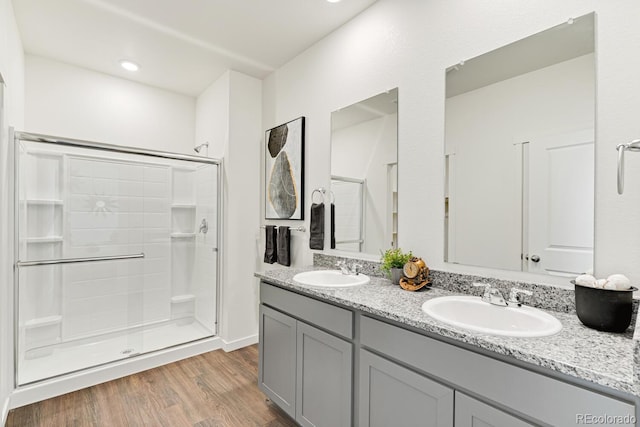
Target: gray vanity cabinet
391,395
541,399
308,349
323,389
304,369
277,364
473,413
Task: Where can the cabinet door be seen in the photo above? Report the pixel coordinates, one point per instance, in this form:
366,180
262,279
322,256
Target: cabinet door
277,361
473,413
324,379
391,395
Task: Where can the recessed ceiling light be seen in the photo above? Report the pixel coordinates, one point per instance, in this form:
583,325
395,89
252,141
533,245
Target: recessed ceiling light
333,1
129,65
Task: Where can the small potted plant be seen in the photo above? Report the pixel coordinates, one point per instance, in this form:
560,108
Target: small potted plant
392,262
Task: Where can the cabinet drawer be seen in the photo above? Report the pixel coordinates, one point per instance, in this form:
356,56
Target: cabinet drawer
531,394
334,319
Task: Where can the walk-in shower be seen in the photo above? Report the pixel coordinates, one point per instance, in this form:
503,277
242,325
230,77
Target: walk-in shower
112,259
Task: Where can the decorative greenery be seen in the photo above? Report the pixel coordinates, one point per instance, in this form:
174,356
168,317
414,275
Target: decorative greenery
394,258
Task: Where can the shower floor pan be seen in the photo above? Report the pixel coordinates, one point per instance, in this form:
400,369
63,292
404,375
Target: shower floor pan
73,356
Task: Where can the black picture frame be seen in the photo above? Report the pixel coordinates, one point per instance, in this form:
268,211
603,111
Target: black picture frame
284,171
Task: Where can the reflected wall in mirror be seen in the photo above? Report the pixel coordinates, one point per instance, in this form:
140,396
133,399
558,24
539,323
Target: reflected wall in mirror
364,174
519,154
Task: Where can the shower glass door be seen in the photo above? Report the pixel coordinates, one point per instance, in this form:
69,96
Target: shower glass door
349,200
117,255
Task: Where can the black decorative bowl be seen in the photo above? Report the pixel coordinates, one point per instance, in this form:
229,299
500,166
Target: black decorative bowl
604,309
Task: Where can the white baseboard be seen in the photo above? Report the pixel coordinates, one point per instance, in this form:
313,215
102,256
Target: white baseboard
5,410
240,343
65,384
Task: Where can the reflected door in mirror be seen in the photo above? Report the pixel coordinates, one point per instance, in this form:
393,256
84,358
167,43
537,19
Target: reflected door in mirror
560,183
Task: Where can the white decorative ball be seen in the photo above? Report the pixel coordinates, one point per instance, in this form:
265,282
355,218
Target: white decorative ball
600,283
586,280
620,282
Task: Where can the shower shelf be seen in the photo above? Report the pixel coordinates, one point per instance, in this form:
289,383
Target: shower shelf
50,239
43,321
179,299
183,206
183,235
46,202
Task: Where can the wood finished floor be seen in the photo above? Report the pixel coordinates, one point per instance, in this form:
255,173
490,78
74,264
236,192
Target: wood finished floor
213,389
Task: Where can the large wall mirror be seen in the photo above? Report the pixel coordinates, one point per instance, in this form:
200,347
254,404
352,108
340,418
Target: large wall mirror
519,154
364,174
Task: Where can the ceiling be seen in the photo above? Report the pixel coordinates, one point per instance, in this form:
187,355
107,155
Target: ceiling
180,45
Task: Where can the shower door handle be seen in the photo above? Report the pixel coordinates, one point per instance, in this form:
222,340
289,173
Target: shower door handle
77,260
630,146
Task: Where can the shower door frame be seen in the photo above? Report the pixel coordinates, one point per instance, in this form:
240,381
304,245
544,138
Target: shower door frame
363,213
15,137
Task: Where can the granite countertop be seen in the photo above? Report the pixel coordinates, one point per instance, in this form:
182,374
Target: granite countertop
599,357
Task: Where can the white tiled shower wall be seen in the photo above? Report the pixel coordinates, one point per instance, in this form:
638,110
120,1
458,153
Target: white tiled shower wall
116,209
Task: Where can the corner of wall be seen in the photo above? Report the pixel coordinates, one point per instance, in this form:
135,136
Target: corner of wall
12,69
212,117
239,309
5,411
228,116
229,346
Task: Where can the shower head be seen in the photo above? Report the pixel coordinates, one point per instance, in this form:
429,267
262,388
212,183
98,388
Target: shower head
199,147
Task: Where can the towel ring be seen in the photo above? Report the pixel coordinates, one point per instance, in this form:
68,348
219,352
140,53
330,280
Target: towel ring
320,190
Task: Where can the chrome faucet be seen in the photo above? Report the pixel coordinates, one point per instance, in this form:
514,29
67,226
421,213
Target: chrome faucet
494,296
516,297
353,269
342,265
491,295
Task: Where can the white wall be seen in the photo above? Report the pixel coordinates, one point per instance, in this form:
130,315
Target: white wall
212,117
409,44
482,128
68,101
12,70
228,116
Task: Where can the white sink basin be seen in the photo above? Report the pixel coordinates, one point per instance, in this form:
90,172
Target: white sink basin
474,314
330,279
